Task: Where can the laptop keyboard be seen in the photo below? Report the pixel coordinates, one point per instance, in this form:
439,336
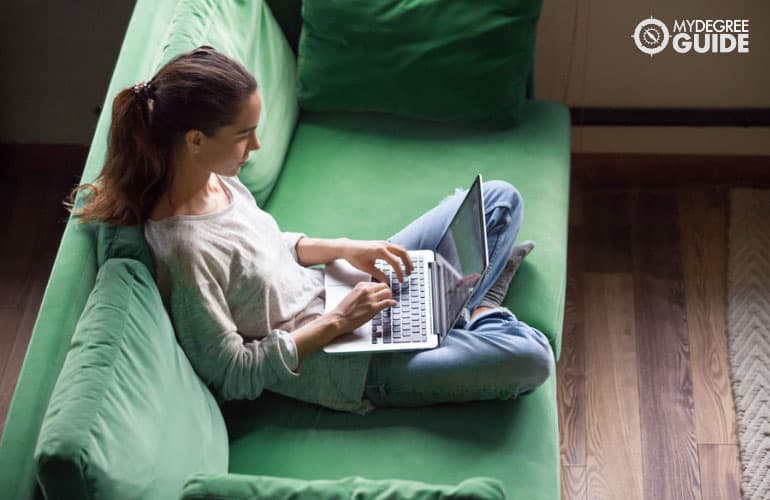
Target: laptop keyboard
404,322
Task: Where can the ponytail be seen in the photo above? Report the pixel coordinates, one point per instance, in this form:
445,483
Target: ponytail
199,90
136,170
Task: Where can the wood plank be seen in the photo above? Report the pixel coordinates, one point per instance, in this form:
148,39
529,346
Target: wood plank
720,471
10,319
25,235
607,231
570,372
613,446
8,192
573,483
576,201
35,224
670,456
16,269
9,371
9,325
702,219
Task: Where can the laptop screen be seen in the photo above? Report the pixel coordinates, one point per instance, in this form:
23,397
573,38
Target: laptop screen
464,248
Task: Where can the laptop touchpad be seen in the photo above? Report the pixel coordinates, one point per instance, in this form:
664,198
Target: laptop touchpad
341,272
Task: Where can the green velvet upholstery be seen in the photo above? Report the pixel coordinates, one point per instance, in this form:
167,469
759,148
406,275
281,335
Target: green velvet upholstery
127,402
126,242
243,487
333,175
515,442
458,61
262,48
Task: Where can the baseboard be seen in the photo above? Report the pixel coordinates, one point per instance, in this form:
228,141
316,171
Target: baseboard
668,170
670,117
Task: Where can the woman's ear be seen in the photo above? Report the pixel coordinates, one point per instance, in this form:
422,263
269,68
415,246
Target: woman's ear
193,140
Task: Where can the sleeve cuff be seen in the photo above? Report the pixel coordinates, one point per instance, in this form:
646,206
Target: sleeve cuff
290,240
288,351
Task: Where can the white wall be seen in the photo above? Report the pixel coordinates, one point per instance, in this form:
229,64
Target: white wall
586,57
56,59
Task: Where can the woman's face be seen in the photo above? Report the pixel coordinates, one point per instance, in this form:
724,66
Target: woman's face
228,149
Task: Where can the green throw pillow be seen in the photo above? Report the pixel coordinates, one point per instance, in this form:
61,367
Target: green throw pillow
460,61
247,32
244,487
128,417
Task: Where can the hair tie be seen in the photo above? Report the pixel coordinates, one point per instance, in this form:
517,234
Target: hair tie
144,90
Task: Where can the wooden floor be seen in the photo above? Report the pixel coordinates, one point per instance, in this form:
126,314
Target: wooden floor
645,406
32,186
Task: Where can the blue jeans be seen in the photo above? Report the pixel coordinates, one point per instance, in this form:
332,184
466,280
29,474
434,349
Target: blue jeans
493,356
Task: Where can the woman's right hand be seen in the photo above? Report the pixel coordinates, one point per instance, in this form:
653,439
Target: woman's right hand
361,304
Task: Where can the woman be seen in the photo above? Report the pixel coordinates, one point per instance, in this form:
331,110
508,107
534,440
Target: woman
246,307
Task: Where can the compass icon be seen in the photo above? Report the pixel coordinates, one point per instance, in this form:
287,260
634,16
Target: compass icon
651,36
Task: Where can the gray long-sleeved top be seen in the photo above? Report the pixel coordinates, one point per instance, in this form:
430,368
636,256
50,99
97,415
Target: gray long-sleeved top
234,289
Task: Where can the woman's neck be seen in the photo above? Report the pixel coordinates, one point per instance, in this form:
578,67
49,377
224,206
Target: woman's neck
190,187
193,191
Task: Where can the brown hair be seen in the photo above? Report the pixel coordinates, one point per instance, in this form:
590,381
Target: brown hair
199,90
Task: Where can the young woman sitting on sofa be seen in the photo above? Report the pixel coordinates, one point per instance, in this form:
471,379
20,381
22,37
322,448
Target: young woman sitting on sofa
246,307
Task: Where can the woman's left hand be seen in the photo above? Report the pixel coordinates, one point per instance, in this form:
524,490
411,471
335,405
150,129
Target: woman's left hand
364,254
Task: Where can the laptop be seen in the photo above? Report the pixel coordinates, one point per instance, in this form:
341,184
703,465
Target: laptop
431,299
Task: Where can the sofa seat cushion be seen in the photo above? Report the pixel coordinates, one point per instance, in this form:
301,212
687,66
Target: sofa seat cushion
459,61
128,417
366,176
242,486
514,442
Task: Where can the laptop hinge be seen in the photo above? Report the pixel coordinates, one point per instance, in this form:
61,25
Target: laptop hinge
438,323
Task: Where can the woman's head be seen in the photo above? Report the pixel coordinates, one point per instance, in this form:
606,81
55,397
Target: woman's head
200,90
188,107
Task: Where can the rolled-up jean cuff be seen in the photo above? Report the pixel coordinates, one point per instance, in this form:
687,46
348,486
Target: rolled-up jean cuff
499,312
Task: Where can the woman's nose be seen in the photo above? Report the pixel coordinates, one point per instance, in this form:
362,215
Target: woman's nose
255,142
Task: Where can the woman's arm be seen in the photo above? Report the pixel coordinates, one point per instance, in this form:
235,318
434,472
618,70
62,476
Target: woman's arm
359,306
312,251
314,335
361,254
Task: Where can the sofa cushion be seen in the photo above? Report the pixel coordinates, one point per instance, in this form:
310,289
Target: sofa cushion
515,442
451,61
247,32
242,487
128,417
122,242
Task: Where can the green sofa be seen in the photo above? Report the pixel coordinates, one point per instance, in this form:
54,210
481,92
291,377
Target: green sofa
101,320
